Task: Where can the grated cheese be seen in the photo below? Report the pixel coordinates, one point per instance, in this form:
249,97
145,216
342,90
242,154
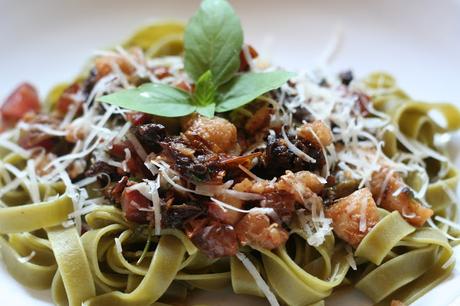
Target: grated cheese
448,222
449,262
33,183
326,166
124,129
350,257
68,223
433,225
118,245
137,146
27,258
152,168
41,127
301,154
225,207
86,181
155,198
258,279
124,163
14,148
245,196
249,173
386,180
362,215
21,176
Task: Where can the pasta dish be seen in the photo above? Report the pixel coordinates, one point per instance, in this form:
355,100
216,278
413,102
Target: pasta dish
181,160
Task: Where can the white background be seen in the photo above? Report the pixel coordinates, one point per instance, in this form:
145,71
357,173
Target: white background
45,42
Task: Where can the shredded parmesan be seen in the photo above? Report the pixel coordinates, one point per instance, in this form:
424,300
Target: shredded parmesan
302,155
68,223
384,186
350,257
245,196
33,187
152,168
41,127
225,206
258,279
450,193
362,215
118,246
124,129
86,181
27,258
433,225
448,222
449,262
326,166
249,173
155,198
124,163
137,146
14,148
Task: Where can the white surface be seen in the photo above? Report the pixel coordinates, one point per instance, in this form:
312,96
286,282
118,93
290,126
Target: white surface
46,42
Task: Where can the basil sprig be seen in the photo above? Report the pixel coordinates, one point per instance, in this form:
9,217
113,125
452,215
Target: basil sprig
213,40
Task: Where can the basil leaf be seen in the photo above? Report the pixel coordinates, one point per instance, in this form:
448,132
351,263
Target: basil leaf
206,110
156,99
213,40
205,90
246,87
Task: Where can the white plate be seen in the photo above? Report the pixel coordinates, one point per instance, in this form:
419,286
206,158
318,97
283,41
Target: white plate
46,42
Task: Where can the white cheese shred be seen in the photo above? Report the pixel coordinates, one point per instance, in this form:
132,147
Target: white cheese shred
384,186
118,245
249,173
86,181
225,207
449,262
350,258
33,182
27,258
448,222
258,279
137,146
14,148
362,215
155,198
301,154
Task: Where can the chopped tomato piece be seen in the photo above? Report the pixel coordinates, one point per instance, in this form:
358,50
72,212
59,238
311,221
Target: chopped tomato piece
105,65
132,201
65,100
244,65
24,99
185,86
139,118
162,72
135,164
37,139
215,239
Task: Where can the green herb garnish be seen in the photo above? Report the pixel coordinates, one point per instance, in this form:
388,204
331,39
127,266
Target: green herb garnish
213,40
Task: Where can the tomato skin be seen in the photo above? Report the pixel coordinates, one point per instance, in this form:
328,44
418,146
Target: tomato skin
35,140
183,85
22,100
131,210
244,65
65,100
139,118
